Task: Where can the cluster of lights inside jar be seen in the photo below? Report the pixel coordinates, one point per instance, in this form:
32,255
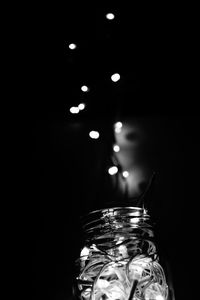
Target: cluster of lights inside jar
120,271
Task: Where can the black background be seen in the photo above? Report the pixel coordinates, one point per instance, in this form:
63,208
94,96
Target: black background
158,89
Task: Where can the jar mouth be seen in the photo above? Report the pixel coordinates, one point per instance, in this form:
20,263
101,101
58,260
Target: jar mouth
115,218
133,210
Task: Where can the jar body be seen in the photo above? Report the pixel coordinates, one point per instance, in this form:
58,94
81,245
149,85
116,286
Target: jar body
119,259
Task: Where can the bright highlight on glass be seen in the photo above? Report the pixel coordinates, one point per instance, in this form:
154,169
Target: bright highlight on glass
110,16
94,134
85,251
72,46
116,148
125,174
81,106
84,88
74,110
115,77
159,297
113,170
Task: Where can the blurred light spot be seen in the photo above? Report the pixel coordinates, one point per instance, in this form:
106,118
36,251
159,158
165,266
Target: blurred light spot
118,127
72,46
94,134
113,170
84,88
110,16
115,77
74,110
116,148
118,130
125,174
81,106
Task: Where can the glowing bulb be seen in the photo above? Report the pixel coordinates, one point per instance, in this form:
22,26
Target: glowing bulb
113,170
159,297
85,251
94,134
118,127
72,46
125,174
110,16
115,77
81,106
74,110
84,88
116,148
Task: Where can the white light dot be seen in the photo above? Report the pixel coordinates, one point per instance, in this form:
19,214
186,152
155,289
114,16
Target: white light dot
115,77
118,125
74,110
116,148
94,134
84,88
125,174
113,170
81,106
110,16
72,46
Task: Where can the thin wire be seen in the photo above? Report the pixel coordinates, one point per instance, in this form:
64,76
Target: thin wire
144,193
132,292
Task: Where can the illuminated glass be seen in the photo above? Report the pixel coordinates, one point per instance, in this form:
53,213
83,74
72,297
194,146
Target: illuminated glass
121,260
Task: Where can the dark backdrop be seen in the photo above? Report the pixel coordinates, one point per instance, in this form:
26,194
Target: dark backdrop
159,65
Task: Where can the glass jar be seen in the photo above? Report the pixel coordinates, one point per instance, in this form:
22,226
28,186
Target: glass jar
118,258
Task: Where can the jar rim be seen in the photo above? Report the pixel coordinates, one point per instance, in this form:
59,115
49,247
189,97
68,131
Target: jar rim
136,208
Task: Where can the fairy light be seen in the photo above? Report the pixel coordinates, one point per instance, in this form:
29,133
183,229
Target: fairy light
110,16
113,170
81,106
115,77
72,46
84,88
94,134
118,127
85,251
74,110
125,174
116,148
159,297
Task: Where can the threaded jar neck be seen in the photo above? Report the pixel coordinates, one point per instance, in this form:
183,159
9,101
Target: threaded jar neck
112,227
